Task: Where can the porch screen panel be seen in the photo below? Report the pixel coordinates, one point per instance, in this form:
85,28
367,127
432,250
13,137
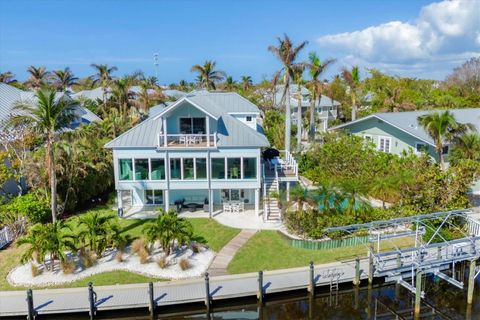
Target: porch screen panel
233,168
199,126
126,169
218,168
175,169
153,196
158,169
188,169
201,164
141,169
249,168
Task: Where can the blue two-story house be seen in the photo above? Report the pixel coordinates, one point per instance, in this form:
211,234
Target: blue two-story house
203,150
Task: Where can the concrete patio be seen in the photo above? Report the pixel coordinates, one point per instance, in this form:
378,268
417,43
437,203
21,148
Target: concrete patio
241,220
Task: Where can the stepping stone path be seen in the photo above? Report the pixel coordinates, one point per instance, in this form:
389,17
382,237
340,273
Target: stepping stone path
222,259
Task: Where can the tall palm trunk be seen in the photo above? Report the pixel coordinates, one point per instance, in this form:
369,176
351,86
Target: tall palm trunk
288,121
53,178
440,156
299,117
311,129
354,107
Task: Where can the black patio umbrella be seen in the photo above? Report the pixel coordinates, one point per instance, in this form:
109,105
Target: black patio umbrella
270,153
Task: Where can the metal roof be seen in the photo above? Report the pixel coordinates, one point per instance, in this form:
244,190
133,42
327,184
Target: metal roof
408,121
323,102
10,95
231,132
97,93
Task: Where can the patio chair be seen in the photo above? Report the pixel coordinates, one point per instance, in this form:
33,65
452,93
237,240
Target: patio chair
236,207
183,140
227,207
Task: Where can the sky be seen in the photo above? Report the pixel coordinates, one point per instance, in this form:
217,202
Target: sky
415,38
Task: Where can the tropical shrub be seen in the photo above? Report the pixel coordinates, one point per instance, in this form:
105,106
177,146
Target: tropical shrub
34,208
87,258
35,270
162,262
68,266
184,264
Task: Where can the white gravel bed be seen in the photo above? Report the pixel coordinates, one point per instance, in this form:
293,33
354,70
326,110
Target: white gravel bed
199,263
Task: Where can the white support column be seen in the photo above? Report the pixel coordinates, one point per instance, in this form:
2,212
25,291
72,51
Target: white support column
119,203
210,202
165,132
207,122
166,199
257,202
288,191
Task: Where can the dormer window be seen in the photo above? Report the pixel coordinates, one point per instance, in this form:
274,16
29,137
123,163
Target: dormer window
249,119
192,125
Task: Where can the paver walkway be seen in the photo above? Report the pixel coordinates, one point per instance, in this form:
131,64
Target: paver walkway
223,258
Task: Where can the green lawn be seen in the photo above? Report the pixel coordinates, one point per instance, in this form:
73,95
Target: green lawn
267,250
214,235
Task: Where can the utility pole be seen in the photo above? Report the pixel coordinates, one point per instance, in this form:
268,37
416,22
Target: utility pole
155,63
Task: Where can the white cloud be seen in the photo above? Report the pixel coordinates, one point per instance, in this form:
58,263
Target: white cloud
443,33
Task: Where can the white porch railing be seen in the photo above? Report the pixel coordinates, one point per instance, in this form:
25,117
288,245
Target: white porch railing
6,236
187,140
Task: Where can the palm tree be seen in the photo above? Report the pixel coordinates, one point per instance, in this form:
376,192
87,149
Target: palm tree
352,78
298,80
63,79
392,101
316,69
103,76
287,53
46,116
38,77
442,127
247,83
229,84
7,77
385,188
467,146
121,93
207,75
95,230
86,83
167,228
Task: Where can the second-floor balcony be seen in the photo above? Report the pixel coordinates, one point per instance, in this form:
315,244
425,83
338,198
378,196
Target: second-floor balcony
194,140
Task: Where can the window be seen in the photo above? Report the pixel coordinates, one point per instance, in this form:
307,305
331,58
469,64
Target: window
368,137
153,197
141,169
188,173
249,168
158,169
218,168
192,125
175,169
249,118
445,150
233,165
126,169
384,144
201,167
420,147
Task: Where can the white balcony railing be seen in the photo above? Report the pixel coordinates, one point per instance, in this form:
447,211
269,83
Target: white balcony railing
187,140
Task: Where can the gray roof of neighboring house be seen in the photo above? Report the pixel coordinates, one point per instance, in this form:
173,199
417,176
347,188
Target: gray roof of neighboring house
93,94
154,110
324,100
231,132
10,95
174,93
407,121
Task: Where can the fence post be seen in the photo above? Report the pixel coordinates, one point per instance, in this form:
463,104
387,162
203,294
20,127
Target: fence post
260,287
311,287
151,300
31,309
207,291
356,280
92,298
370,264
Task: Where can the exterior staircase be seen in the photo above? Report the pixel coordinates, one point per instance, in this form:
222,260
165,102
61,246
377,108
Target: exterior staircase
271,204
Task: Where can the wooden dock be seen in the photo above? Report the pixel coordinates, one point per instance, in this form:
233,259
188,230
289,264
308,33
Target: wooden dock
117,297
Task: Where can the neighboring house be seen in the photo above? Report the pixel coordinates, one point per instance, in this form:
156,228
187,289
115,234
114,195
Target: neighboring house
203,150
97,93
327,109
396,132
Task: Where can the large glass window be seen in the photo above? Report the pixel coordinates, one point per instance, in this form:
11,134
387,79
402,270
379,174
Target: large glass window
192,125
201,164
218,168
249,168
154,196
158,169
188,169
141,169
175,169
126,169
233,165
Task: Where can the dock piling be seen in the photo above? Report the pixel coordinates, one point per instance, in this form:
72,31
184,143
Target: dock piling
418,293
471,281
92,299
31,310
370,264
207,291
311,287
151,300
260,287
356,280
